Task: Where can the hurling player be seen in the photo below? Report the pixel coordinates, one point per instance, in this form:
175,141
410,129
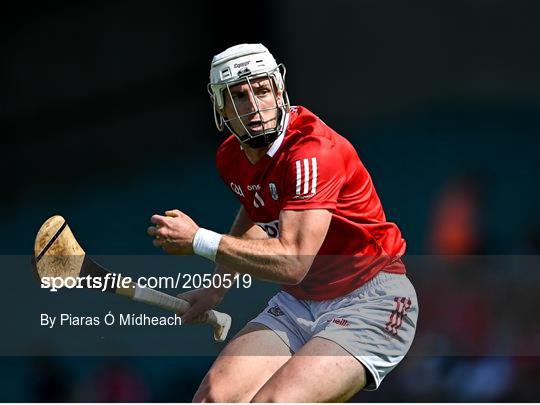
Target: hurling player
311,221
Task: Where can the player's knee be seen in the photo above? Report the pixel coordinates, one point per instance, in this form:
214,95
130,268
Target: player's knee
266,399
207,394
268,396
217,396
215,390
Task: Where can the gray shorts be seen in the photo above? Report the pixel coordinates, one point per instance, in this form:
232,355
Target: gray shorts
375,323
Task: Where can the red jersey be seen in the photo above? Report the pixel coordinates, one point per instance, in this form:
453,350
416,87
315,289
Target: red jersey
313,167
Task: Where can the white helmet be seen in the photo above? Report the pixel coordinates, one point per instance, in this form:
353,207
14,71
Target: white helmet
241,64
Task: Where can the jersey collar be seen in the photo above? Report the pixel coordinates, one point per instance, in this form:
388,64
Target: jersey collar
279,140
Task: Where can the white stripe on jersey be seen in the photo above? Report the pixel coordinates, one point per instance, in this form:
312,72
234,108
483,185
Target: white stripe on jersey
305,190
298,177
306,176
314,179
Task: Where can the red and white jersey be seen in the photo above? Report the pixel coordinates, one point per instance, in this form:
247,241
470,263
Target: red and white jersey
313,167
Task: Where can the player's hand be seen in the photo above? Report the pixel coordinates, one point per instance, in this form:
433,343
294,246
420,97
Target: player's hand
201,300
173,232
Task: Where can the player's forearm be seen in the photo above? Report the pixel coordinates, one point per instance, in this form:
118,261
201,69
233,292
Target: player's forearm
227,269
243,228
268,260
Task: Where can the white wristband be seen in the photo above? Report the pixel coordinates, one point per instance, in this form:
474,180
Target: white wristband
206,243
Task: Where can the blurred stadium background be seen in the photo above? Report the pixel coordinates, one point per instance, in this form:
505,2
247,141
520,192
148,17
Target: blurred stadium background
107,121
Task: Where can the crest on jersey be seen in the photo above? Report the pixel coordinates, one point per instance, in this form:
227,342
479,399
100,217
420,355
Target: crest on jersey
273,191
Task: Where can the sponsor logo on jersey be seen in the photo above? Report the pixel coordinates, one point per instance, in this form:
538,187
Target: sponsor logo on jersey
306,178
255,187
237,189
340,322
273,191
276,311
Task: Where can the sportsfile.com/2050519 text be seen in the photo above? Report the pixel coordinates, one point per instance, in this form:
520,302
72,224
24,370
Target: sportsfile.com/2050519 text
181,281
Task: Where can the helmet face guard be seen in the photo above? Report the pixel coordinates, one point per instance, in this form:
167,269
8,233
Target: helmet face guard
244,65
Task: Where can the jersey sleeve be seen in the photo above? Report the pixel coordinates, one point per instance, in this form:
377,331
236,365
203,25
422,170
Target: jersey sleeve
313,178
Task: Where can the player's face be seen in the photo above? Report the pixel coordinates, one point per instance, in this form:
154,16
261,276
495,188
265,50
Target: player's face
264,98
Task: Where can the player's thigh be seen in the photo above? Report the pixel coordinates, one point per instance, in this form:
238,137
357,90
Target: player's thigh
244,366
322,371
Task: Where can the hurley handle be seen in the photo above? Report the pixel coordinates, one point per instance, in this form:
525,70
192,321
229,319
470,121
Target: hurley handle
219,320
